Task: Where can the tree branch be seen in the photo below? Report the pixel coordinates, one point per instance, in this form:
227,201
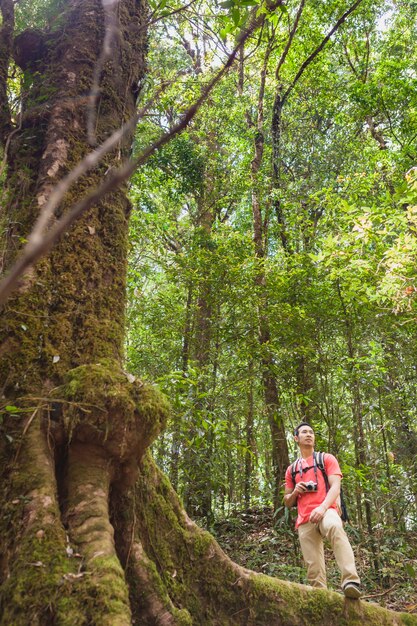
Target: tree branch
290,39
90,161
154,20
319,48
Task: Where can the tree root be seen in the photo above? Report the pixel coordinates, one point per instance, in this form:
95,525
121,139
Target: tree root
34,544
200,577
143,560
90,472
157,608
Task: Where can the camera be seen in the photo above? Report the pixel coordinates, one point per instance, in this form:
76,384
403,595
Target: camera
311,485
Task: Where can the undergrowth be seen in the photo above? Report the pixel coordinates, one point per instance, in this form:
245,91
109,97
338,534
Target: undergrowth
250,538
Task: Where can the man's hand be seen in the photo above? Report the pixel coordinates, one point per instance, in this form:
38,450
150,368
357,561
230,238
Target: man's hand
317,514
300,488
291,496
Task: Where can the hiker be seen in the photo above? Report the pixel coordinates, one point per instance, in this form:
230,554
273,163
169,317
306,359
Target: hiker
313,484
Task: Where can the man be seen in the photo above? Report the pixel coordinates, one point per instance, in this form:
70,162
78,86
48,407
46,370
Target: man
318,513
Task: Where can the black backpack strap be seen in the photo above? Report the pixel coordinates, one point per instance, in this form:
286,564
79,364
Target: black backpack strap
294,471
319,457
320,464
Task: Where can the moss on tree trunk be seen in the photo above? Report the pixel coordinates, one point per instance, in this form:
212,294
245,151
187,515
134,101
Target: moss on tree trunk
91,532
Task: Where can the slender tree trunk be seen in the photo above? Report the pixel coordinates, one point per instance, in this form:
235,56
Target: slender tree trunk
280,458
249,439
6,46
197,462
407,448
359,438
393,515
177,423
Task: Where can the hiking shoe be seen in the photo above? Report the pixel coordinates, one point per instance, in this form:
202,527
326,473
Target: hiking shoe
352,591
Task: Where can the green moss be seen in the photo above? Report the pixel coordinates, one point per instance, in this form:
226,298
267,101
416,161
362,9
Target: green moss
40,571
69,612
109,565
73,597
293,603
182,617
201,543
408,620
101,404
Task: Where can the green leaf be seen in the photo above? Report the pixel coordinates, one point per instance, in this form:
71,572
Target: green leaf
410,570
12,409
236,16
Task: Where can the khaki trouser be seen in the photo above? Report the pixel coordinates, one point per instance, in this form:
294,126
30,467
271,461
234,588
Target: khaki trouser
311,540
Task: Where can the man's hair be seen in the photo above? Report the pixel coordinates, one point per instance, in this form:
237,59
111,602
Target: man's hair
299,426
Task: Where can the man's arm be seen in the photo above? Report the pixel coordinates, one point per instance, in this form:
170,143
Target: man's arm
331,497
291,495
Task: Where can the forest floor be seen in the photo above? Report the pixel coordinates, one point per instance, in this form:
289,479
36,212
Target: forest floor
388,572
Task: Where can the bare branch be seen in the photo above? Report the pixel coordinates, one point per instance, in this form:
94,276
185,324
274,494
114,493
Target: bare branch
290,39
349,60
367,57
390,124
319,48
7,144
376,134
154,20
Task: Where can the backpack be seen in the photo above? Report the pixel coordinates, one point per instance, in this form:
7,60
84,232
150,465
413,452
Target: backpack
319,461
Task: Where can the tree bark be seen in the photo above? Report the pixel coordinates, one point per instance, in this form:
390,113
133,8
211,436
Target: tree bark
358,429
250,443
6,43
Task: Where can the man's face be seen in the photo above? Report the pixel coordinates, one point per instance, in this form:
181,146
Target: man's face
305,436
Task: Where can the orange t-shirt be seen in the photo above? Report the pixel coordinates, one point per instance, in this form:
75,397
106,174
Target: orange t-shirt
308,501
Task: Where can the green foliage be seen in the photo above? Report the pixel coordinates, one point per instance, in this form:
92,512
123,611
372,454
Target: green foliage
39,14
341,296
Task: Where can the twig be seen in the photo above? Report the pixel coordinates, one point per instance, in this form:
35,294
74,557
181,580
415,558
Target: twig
154,20
382,593
6,147
64,401
26,428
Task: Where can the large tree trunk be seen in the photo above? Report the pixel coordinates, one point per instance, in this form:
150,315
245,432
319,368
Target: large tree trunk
91,532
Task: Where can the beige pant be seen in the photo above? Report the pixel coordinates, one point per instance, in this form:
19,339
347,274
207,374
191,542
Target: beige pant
311,540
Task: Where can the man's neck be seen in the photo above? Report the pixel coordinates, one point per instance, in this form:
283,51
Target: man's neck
306,451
